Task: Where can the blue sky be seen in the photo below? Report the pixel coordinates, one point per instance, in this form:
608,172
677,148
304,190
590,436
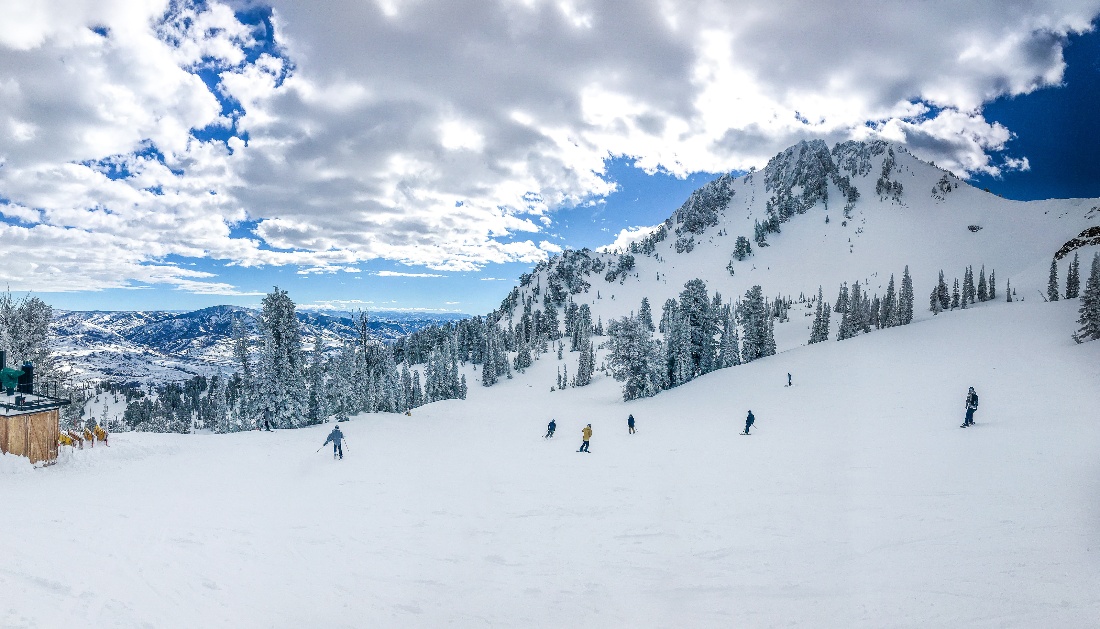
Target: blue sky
392,155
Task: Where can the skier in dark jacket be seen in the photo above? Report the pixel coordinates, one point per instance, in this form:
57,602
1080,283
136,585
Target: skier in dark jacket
971,406
337,439
749,422
550,428
630,425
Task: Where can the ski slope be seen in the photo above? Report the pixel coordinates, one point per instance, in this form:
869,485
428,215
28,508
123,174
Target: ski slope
856,502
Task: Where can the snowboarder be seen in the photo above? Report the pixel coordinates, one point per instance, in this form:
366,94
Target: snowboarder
748,423
788,379
971,406
337,439
630,425
550,428
586,434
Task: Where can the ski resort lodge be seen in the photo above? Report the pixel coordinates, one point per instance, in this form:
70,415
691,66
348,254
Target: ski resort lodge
29,419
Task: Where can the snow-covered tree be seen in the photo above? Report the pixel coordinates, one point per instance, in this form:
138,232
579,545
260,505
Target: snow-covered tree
318,393
819,330
280,398
905,299
635,358
698,313
992,294
943,293
586,364
25,333
982,286
955,295
645,315
1090,304
1073,279
729,351
755,325
967,288
742,249
842,299
888,315
1052,281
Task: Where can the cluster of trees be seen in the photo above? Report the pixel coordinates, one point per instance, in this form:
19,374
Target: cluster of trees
698,334
1073,280
943,299
1090,304
860,312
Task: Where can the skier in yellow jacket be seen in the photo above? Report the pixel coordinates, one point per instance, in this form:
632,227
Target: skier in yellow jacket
586,434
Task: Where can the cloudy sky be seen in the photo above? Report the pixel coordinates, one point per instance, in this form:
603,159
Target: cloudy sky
417,154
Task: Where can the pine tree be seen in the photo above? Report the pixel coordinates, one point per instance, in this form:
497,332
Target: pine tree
742,249
1090,304
645,315
955,295
318,408
754,322
992,285
729,353
819,330
943,293
1052,282
1073,279
697,312
279,371
842,299
967,288
888,318
905,299
1008,291
934,301
982,287
586,365
635,358
876,317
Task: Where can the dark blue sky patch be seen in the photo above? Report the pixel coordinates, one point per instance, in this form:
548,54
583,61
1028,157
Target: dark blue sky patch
1057,129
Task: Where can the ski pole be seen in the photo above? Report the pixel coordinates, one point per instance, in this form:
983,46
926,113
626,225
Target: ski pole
322,445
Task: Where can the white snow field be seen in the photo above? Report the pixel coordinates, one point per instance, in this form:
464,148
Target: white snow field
856,502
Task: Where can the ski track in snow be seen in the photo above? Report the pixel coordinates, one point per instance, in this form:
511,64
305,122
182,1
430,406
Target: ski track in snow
858,502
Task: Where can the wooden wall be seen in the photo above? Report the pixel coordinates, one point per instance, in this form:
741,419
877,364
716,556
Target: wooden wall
33,435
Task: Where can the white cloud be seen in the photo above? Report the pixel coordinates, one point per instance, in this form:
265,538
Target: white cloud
431,133
403,274
627,236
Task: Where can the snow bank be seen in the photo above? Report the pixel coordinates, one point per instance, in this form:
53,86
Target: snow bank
857,502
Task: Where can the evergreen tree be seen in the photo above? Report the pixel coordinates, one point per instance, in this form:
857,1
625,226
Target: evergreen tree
888,318
417,391
842,299
645,315
697,312
1090,304
242,357
876,317
742,249
1052,282
819,331
1008,291
905,299
635,358
967,288
279,370
318,407
729,352
943,293
586,365
992,285
955,295
754,322
982,287
1073,279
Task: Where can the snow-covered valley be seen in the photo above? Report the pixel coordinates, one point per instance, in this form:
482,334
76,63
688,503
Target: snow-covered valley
856,502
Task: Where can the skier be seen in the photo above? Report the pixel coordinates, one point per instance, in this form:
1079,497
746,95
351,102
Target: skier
971,406
586,434
788,379
748,423
550,428
630,425
337,438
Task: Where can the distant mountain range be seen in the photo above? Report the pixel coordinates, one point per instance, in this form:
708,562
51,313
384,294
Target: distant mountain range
159,346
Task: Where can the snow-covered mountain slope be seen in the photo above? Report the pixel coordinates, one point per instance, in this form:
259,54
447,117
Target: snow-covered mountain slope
858,212
856,502
158,346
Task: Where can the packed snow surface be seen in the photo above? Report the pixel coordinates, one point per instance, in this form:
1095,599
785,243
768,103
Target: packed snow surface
856,502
